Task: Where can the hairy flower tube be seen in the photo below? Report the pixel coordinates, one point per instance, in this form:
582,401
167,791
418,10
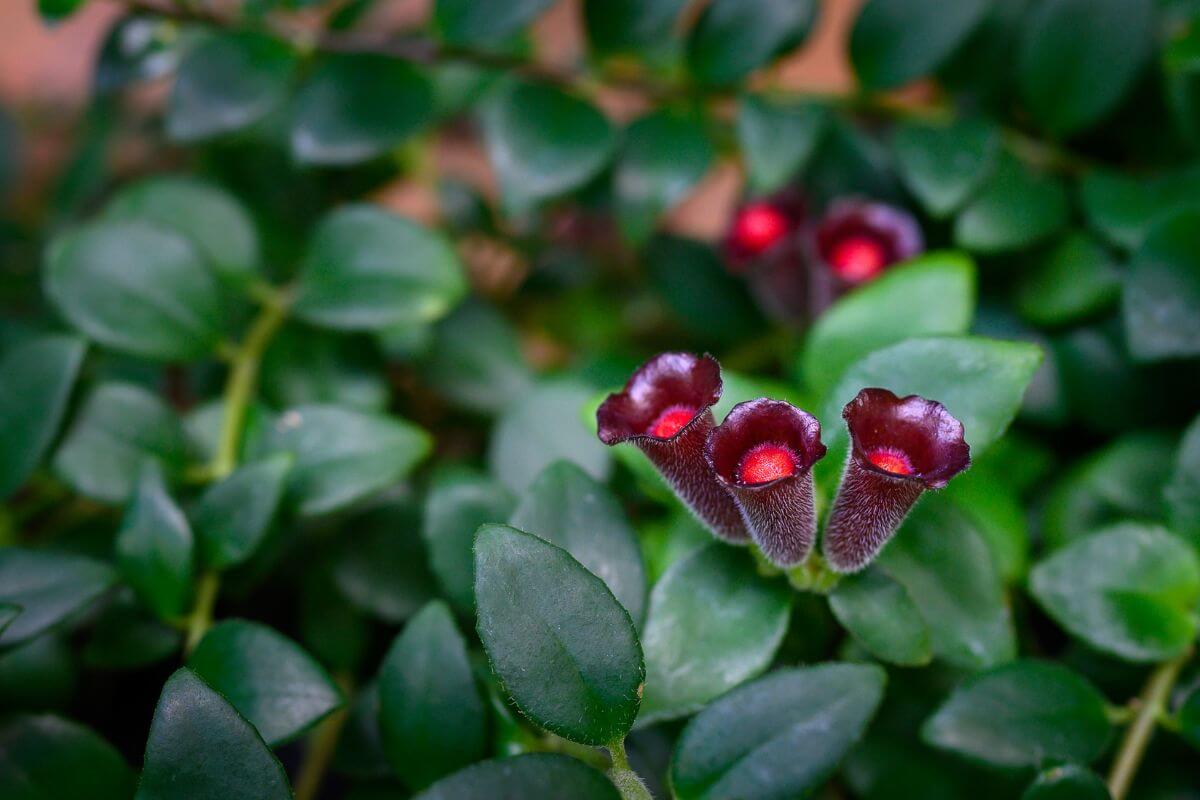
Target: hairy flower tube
899,447
666,410
762,227
763,453
856,240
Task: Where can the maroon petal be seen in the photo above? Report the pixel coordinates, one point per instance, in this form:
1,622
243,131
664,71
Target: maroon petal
899,447
763,454
857,240
666,410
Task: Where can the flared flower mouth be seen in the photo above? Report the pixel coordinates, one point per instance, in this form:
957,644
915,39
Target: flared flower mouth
763,442
907,438
857,240
762,226
662,398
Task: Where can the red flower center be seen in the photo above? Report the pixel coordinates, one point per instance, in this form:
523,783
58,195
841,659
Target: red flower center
891,460
766,462
758,227
858,258
671,421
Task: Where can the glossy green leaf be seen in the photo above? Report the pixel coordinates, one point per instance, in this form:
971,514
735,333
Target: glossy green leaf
948,572
1130,590
119,426
562,646
881,616
136,288
713,624
330,626
8,612
693,283
1022,715
342,456
997,513
567,507
475,360
36,379
732,38
1183,489
367,269
1123,208
305,365
48,587
44,757
268,678
227,83
1068,782
127,636
215,223
777,138
40,674
1074,280
201,748
629,25
155,547
943,165
139,47
777,738
430,712
896,41
1078,58
1161,301
356,107
382,568
233,516
663,156
543,142
1189,717
934,294
484,22
1015,208
542,775
544,426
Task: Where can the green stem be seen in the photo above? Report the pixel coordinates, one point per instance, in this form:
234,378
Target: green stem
201,618
628,783
321,748
1152,704
813,576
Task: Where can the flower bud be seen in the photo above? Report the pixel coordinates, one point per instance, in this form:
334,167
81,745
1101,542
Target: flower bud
666,410
763,453
899,447
855,241
762,227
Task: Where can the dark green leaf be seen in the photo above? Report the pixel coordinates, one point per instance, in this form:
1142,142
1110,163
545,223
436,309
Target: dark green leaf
484,22
777,138
232,517
227,83
1183,490
155,548
330,626
304,365
625,25
200,748
139,47
430,712
985,496
777,738
943,165
733,38
356,107
1078,58
1123,208
48,587
1068,782
382,568
564,648
1074,280
546,776
343,456
1014,209
36,378
878,612
126,636
8,612
567,507
368,269
935,294
476,359
55,10
45,757
693,283
1161,302
1130,590
360,747
1189,717
663,156
713,624
268,678
216,224
40,674
1022,715
135,288
895,41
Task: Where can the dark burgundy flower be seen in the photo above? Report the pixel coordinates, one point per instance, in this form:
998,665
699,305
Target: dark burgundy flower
666,410
856,240
763,453
899,447
761,227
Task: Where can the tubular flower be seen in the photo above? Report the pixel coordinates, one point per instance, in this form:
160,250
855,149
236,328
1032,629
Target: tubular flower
666,410
899,447
763,453
855,241
762,227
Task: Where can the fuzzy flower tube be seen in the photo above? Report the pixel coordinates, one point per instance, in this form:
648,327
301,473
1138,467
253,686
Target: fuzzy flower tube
899,448
763,453
666,410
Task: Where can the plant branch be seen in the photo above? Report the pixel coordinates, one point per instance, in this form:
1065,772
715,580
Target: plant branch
628,782
1152,704
201,618
322,745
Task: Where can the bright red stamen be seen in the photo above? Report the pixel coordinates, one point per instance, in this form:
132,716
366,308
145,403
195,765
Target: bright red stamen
766,462
891,460
858,258
758,227
671,421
